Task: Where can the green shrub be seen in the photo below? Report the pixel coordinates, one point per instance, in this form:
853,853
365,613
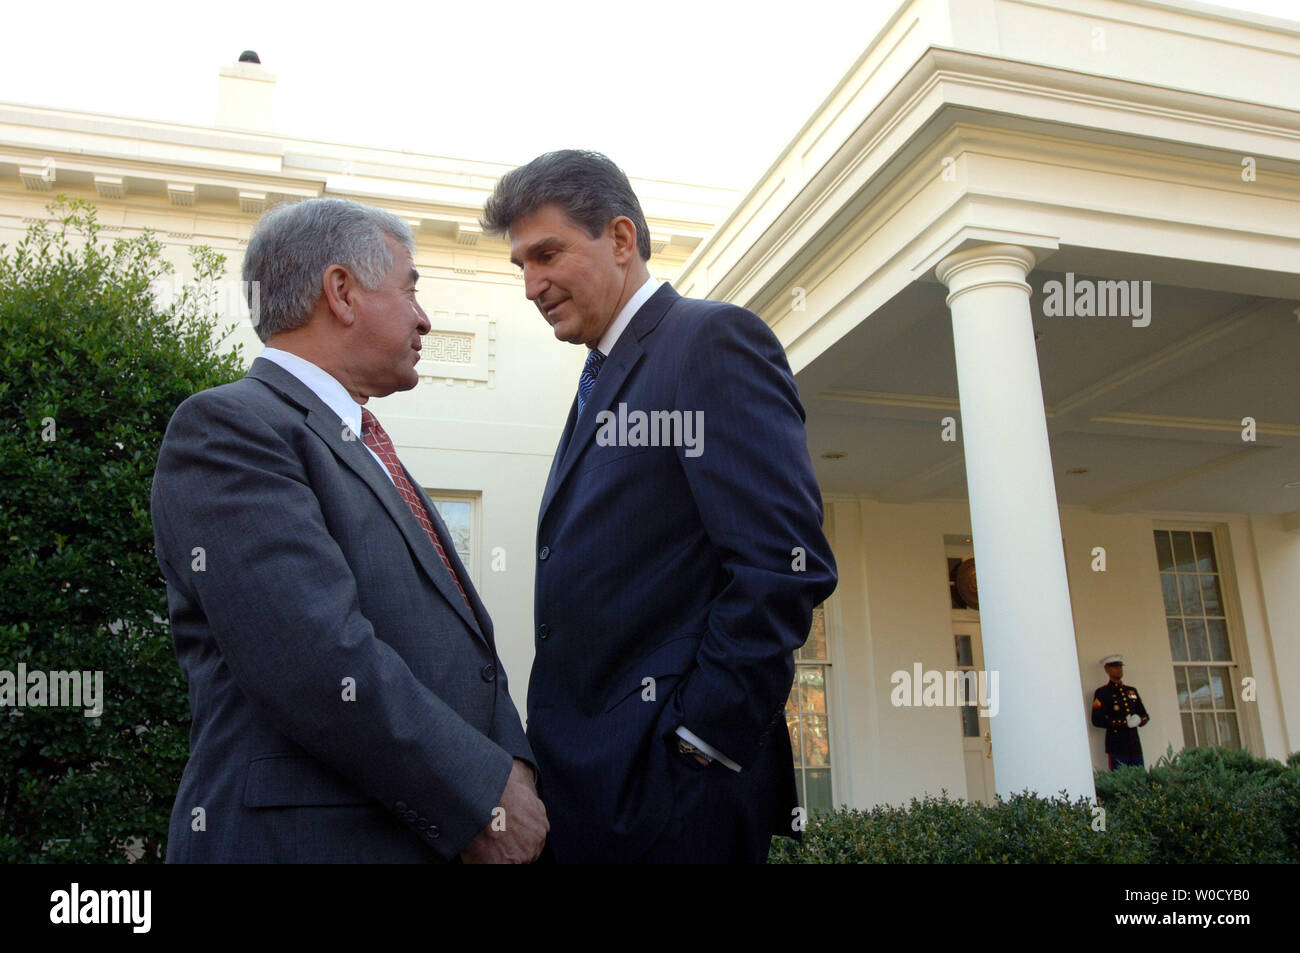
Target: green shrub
1025,829
1201,806
91,369
1211,806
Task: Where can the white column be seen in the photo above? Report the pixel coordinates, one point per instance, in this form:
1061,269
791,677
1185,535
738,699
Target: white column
1039,734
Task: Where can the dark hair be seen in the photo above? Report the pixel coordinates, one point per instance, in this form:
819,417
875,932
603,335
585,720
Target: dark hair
590,188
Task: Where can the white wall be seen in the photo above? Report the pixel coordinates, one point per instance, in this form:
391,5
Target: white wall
894,611
1121,610
891,610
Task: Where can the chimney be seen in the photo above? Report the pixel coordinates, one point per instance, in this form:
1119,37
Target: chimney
244,94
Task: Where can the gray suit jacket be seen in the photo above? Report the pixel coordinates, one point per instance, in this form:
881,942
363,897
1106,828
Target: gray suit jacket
347,705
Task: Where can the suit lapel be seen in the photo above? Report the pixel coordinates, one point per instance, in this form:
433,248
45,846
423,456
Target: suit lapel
627,353
552,482
351,450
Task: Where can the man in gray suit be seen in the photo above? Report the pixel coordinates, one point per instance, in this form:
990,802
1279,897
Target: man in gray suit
348,701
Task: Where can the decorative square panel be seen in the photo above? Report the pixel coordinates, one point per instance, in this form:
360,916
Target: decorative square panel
459,347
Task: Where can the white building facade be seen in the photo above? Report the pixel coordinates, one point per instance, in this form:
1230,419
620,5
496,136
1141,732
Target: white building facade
1035,266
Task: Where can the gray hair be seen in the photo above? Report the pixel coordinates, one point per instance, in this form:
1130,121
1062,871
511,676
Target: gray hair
292,246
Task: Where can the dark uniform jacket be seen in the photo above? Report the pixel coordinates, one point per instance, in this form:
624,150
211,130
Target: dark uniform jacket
1111,706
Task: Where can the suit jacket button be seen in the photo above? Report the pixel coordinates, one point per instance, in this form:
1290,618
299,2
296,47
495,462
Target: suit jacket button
433,832
489,672
544,552
422,823
410,816
543,631
400,806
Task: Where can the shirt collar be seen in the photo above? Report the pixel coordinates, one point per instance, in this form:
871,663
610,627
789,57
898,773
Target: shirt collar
616,328
321,383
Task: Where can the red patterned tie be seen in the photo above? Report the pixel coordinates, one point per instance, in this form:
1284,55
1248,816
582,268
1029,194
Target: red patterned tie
376,439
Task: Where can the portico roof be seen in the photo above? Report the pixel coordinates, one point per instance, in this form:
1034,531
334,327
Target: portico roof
1117,141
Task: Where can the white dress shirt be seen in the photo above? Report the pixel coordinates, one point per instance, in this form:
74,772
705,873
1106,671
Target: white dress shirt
612,333
325,386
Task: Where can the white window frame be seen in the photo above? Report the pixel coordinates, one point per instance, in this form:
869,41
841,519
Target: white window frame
1247,713
475,500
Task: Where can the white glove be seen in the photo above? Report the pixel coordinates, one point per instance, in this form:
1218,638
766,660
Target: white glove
1134,721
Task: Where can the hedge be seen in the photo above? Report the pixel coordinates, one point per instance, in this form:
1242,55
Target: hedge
1201,806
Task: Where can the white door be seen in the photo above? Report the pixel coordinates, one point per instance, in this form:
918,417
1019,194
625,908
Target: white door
977,738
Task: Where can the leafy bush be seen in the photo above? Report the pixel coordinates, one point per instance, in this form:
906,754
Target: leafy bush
1211,806
91,369
940,830
1201,806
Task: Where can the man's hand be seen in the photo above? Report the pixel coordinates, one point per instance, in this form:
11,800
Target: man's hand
518,829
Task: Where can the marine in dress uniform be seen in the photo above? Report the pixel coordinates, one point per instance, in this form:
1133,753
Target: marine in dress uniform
1114,706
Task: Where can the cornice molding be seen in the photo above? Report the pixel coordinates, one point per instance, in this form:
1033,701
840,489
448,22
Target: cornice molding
946,79
894,406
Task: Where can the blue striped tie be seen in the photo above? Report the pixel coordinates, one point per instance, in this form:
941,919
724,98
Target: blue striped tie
590,371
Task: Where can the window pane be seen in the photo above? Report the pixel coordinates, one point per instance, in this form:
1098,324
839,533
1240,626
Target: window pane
815,647
818,786
966,687
1177,641
1218,689
1184,557
812,688
1229,736
1205,552
1198,643
792,725
810,732
806,717
1210,595
1180,680
1230,686
1164,551
456,514
1190,591
816,740
970,721
964,655
1198,681
1189,732
1206,733
1218,634
1169,586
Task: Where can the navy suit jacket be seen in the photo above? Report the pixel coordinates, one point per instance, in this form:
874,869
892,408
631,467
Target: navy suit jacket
293,564
697,568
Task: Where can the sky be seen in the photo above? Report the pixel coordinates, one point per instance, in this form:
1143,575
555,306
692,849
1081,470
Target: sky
699,91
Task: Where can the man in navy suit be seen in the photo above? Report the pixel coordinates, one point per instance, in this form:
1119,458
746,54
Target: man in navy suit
680,553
